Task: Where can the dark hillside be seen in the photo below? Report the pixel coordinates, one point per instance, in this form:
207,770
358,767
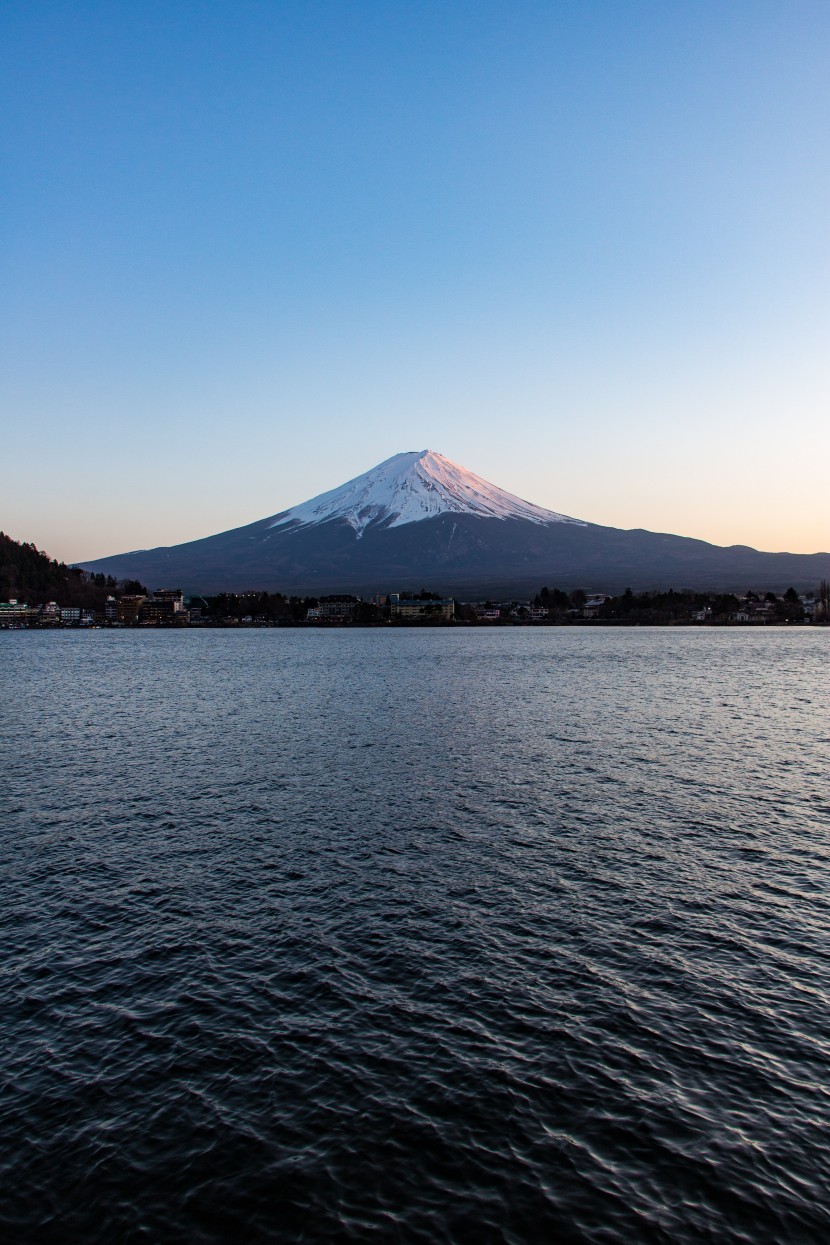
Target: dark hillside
28,574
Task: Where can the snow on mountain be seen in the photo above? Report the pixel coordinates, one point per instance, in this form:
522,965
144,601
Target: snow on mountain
414,486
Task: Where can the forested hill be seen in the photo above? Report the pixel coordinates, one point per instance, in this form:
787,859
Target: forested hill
32,576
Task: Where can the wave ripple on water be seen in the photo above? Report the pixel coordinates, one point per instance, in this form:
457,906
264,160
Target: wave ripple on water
503,936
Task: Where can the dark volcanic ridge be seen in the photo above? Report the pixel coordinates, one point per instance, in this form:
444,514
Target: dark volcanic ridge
419,520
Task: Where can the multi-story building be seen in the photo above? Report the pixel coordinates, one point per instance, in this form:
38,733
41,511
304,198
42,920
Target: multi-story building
155,611
15,613
339,608
77,616
420,607
164,605
174,595
127,609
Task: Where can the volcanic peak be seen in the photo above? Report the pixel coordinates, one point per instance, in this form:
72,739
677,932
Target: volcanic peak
410,487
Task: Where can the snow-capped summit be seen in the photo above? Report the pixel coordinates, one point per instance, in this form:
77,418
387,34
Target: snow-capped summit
410,487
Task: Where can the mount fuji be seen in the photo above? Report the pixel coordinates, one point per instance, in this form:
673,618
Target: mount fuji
419,519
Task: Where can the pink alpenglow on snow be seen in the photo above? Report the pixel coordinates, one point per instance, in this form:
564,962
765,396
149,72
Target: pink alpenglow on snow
414,486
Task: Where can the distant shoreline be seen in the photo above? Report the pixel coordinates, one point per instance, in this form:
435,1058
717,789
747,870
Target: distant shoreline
454,625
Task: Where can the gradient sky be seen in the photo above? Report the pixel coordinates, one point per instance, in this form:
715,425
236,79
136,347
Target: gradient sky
251,249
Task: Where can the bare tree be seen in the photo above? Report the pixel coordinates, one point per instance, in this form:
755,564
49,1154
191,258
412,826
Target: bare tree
824,601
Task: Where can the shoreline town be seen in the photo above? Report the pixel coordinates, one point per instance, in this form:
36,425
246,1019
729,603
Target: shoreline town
170,607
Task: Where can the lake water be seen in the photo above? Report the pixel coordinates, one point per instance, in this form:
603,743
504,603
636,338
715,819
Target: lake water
442,936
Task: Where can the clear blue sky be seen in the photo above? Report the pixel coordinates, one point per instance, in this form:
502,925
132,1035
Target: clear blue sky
250,249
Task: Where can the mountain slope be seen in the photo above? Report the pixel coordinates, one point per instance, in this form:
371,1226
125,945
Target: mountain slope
419,520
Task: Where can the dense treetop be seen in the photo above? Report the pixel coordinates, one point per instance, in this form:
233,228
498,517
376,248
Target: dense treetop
28,574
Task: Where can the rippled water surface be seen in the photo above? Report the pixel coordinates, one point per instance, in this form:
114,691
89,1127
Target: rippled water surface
478,936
